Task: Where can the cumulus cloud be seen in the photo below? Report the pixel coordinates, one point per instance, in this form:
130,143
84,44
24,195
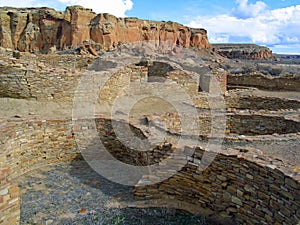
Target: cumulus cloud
245,10
115,7
262,26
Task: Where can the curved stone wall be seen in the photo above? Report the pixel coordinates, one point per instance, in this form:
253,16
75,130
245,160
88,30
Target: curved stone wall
236,185
26,145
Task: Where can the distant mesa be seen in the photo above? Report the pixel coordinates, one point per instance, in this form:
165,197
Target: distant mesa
243,51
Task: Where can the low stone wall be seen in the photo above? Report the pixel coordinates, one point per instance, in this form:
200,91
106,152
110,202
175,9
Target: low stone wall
240,124
44,82
288,83
261,125
129,154
27,145
261,103
235,186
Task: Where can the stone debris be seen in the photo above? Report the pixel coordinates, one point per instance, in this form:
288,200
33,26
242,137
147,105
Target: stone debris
82,211
16,54
18,116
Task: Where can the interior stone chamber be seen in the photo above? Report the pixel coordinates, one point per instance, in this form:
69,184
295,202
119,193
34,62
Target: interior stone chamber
236,188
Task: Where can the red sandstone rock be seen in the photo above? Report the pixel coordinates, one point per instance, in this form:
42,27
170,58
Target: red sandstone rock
199,39
82,211
40,29
92,51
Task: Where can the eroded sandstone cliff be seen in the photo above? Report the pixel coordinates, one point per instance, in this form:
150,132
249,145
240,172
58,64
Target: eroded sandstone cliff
243,51
42,29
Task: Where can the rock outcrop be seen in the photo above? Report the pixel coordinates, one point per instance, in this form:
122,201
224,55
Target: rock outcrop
243,51
42,29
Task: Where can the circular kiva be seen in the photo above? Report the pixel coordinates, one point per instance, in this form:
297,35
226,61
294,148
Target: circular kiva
86,97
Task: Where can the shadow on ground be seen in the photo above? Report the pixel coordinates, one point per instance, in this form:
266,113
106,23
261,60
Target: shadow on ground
73,193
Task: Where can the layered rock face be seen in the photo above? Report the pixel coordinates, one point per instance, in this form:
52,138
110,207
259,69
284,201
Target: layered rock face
40,29
243,51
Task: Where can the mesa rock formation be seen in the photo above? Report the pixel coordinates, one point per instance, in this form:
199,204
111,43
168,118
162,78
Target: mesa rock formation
40,29
243,51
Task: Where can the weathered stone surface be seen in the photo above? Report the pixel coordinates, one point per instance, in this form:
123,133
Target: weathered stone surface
247,203
40,29
243,51
259,80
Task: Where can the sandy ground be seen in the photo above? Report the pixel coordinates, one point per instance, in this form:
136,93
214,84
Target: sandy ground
10,107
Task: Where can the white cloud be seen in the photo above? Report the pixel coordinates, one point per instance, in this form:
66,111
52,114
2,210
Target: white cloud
264,26
115,7
245,10
290,49
17,3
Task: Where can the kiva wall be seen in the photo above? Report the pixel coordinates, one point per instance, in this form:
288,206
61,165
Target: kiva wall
24,146
236,186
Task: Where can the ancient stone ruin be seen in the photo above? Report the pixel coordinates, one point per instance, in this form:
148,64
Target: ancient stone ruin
193,130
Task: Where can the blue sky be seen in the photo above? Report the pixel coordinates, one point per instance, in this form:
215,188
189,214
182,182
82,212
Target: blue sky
274,23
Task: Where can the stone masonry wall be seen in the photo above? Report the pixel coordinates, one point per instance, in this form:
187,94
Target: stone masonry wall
26,145
261,103
240,124
58,79
290,83
261,125
236,187
34,79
